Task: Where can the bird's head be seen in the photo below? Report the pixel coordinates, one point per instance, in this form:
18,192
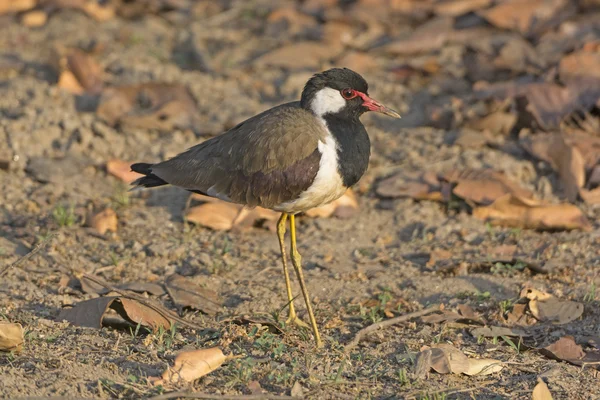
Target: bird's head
342,92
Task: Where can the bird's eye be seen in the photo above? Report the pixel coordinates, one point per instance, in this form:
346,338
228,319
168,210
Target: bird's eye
348,94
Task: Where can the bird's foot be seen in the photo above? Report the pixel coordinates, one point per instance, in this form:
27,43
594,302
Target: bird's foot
294,319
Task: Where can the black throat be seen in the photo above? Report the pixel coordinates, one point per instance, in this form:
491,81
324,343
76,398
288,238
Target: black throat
354,147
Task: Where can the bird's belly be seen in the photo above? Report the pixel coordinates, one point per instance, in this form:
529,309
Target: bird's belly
327,186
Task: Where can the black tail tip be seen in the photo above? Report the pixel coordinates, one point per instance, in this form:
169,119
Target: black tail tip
142,168
149,180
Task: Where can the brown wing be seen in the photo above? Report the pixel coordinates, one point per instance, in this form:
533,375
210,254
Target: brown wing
266,160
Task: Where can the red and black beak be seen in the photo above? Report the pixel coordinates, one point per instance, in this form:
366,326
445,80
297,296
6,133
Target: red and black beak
374,105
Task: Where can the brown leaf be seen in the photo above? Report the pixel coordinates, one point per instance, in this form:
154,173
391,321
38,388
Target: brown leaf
419,186
90,313
510,210
579,65
497,331
297,390
34,19
541,391
314,54
565,349
590,196
564,157
344,207
483,186
11,337
483,366
122,170
447,359
531,17
15,6
191,365
69,82
186,293
143,287
456,8
85,69
104,221
161,106
545,307
422,364
218,216
498,122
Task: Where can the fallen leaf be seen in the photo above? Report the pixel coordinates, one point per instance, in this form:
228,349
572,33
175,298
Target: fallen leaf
564,349
498,331
85,69
510,210
271,325
579,65
91,313
483,366
191,365
545,307
104,221
11,337
218,216
541,391
122,170
529,18
419,186
447,359
498,122
297,390
344,207
455,8
69,82
186,293
142,287
483,186
15,6
161,106
564,157
314,54
34,19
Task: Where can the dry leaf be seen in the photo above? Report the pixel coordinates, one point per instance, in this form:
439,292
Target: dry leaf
15,6
422,363
564,349
160,106
510,210
579,65
34,19
122,170
483,186
344,207
447,359
90,313
85,69
530,17
69,82
419,186
218,216
314,54
498,122
564,157
483,366
541,391
104,221
297,390
455,8
545,307
191,365
143,287
186,293
497,331
11,336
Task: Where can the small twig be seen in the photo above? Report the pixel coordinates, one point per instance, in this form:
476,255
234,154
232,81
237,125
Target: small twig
384,324
161,310
191,395
27,256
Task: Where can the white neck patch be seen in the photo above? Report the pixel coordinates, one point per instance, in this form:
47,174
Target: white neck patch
327,101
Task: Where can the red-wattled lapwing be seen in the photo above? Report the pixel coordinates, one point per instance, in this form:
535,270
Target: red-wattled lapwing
290,158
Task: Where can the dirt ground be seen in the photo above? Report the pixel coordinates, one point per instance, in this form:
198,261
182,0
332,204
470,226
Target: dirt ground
399,251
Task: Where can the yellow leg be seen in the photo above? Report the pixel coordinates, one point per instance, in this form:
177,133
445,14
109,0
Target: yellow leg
293,318
297,263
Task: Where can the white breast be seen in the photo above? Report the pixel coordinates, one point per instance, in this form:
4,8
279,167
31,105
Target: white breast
328,184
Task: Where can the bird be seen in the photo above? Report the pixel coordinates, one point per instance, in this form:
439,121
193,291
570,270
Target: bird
290,158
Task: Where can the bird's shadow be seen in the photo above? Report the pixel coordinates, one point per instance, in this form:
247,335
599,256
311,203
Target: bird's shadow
171,198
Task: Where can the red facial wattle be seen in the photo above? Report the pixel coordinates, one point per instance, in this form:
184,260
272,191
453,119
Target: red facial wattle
374,105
